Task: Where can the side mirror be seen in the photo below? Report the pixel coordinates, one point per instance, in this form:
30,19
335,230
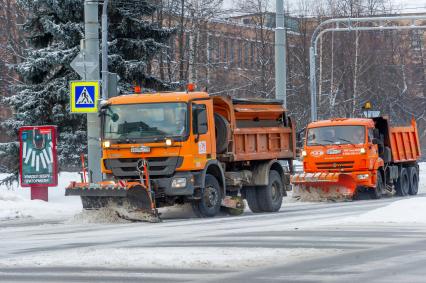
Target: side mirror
375,141
376,133
115,117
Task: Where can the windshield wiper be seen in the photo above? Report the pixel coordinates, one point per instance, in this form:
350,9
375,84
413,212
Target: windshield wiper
345,140
315,143
329,141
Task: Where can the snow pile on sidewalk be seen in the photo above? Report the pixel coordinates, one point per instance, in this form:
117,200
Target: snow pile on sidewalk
165,257
16,203
405,210
411,210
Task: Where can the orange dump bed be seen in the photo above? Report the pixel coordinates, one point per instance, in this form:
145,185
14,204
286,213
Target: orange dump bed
404,143
260,129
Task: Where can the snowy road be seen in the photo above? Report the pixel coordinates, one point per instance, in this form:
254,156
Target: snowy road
372,240
302,243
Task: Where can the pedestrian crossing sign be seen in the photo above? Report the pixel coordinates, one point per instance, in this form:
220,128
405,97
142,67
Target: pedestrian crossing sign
84,96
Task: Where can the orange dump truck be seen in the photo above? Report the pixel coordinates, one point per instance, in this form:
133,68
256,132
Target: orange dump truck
171,148
343,156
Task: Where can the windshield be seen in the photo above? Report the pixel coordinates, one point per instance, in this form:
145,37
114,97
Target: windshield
151,121
336,135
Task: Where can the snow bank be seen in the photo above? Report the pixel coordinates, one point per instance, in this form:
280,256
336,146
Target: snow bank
411,210
16,203
165,257
404,210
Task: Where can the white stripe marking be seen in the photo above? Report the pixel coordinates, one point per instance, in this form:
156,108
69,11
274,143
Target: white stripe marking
33,159
24,150
42,161
38,163
46,156
50,152
28,155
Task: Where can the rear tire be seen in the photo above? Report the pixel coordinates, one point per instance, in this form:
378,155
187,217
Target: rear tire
271,196
211,198
414,181
252,199
376,193
403,183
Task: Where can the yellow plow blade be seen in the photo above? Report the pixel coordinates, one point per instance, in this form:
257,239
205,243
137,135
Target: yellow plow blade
323,186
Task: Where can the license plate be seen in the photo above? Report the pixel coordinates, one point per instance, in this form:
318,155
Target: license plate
334,151
140,149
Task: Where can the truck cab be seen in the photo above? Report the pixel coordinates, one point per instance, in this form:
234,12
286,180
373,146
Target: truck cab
174,132
342,145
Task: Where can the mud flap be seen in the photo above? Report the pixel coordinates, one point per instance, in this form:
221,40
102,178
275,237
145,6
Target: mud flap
323,186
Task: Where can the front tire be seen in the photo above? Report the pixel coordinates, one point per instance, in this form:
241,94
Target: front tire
211,198
403,183
414,181
271,196
376,193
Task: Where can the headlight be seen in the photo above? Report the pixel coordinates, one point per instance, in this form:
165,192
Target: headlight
107,144
363,176
168,142
179,183
362,150
304,153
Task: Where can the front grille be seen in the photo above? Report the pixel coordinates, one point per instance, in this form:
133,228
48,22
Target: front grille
158,166
335,165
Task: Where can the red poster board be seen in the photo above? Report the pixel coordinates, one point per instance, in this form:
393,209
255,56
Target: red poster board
38,161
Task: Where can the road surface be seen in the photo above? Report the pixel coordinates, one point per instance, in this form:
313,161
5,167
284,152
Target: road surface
301,243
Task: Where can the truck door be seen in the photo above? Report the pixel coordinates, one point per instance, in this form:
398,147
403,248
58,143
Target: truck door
201,128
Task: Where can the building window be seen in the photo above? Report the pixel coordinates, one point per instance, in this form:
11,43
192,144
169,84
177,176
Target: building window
246,54
240,53
225,51
252,59
231,52
416,39
217,48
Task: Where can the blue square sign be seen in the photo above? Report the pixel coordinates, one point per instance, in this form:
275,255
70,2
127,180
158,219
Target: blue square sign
85,96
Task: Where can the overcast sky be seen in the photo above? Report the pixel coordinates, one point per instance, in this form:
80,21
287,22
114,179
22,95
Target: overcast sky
407,6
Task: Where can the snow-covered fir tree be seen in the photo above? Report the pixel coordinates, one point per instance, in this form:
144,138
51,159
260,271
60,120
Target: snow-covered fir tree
54,29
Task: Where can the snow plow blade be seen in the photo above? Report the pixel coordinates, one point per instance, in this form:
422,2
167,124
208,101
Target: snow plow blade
323,186
130,200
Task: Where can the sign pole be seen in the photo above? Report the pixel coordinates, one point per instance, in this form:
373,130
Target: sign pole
41,193
91,29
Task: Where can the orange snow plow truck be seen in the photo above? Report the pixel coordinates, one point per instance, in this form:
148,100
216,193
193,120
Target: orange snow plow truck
163,149
342,157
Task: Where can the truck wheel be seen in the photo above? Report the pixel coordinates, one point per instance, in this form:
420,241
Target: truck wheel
271,197
252,199
403,183
376,193
211,198
414,181
222,133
